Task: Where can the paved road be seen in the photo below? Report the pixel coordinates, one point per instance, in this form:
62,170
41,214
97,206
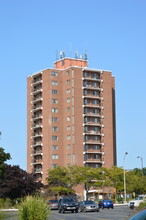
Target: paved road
118,213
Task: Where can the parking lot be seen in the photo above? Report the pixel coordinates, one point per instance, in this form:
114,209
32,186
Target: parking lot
118,213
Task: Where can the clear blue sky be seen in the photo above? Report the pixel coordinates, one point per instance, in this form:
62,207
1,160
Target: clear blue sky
114,34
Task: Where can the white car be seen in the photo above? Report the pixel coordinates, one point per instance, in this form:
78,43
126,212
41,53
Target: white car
137,201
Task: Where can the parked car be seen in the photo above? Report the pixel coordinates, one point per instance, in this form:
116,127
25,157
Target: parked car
137,201
89,206
53,204
67,204
106,203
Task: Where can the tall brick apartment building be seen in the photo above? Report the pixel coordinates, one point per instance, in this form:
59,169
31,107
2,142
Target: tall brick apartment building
71,117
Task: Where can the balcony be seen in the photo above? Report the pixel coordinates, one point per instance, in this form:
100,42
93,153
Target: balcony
36,144
38,170
36,117
92,132
37,109
89,78
39,99
93,142
92,160
90,96
37,126
92,123
37,91
92,87
36,135
91,114
37,162
93,151
37,82
93,105
37,152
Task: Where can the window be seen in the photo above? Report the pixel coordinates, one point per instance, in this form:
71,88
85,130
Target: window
96,147
54,101
54,74
96,156
67,73
54,92
68,147
68,128
54,138
85,74
54,165
85,101
96,138
68,91
68,81
54,83
54,119
68,100
55,110
54,156
68,109
68,156
95,102
85,92
54,128
68,137
54,147
97,120
68,118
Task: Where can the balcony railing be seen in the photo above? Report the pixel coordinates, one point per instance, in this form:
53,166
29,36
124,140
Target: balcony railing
93,132
89,78
92,114
39,143
37,100
36,117
37,162
37,81
92,160
37,126
37,91
92,87
37,152
37,108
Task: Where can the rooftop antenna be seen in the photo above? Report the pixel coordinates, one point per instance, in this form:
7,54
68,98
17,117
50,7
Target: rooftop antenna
76,54
61,54
85,55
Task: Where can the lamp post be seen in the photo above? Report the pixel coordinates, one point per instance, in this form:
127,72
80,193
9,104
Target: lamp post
124,178
141,165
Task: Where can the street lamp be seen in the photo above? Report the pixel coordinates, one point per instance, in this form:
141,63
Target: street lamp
124,178
141,165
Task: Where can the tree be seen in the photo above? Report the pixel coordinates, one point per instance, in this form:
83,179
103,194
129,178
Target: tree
3,157
60,181
17,183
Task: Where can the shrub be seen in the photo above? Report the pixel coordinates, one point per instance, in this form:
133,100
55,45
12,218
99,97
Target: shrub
142,205
33,208
5,203
2,216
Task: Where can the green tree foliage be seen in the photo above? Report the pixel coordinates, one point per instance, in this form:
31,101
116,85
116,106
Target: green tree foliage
114,177
17,183
60,181
3,158
136,182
